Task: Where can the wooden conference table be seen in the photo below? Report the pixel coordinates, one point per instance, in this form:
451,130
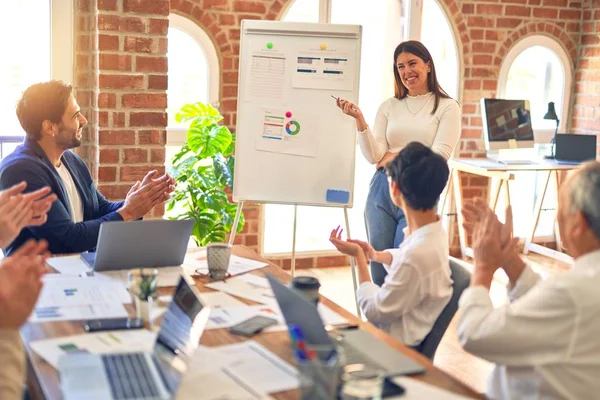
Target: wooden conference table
43,379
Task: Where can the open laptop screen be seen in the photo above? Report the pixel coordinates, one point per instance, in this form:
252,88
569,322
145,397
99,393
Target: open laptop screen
181,327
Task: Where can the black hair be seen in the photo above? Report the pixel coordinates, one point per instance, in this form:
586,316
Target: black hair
420,174
41,102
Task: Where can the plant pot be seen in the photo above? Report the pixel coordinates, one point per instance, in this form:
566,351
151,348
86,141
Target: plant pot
143,309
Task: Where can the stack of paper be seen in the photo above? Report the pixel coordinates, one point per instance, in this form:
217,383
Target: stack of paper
227,311
239,371
74,298
198,263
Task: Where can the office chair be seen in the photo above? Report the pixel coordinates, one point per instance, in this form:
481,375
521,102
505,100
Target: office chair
461,280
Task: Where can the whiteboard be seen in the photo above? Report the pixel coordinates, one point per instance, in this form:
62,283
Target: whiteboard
293,144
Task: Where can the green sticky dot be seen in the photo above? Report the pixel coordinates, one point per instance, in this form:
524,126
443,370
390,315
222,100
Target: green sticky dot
269,45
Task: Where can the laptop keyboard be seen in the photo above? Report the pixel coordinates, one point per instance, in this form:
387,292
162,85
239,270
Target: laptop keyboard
129,376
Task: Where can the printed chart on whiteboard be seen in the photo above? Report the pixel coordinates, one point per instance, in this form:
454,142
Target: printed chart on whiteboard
323,68
267,76
284,131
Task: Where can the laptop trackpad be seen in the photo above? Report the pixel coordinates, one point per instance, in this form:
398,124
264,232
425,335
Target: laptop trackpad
82,376
394,362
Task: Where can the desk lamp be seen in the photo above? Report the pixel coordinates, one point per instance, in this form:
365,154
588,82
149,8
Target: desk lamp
551,115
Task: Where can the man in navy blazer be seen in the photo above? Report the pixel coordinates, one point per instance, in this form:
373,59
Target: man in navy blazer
51,118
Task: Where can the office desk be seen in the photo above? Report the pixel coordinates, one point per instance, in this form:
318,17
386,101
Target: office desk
500,175
43,379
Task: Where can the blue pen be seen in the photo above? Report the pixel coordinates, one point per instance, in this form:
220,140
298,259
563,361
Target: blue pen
298,342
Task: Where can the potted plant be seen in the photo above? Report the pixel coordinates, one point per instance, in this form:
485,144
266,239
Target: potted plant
143,286
203,170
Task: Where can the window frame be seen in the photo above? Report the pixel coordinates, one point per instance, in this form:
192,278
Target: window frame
178,136
541,135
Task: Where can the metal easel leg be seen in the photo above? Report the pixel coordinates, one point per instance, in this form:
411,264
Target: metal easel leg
352,266
236,222
294,242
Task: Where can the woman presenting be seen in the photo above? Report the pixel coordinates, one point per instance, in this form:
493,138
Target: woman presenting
420,111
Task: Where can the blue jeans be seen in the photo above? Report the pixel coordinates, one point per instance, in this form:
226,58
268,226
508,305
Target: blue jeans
384,222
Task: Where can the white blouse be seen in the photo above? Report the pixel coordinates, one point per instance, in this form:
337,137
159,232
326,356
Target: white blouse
399,122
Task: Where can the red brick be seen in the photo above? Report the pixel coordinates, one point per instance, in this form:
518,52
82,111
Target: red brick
157,155
139,44
546,13
107,174
150,64
135,156
480,59
257,7
159,26
107,5
469,133
590,39
132,24
230,91
570,14
211,4
160,7
468,9
489,9
107,100
111,137
157,82
490,85
83,5
301,263
473,84
114,192
108,22
508,22
102,119
118,119
121,81
148,119
519,11
154,100
333,261
230,77
555,3
132,173
114,62
108,43
480,22
484,47
477,34
226,19
109,156
469,108
152,137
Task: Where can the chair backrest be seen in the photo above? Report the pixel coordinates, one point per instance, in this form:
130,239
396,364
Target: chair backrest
461,280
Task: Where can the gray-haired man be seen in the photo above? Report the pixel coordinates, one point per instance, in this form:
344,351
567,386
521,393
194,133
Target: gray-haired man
545,342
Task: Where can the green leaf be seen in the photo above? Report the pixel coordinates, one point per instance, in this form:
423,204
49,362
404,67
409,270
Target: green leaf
222,172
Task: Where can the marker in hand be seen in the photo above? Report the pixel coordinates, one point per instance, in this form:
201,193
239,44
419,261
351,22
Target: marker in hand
338,99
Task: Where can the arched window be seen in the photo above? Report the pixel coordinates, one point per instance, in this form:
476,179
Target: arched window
538,69
41,60
381,22
437,35
193,75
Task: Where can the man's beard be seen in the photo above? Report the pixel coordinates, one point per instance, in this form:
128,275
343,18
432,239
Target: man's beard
67,138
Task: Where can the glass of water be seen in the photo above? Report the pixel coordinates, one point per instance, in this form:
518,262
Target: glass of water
362,382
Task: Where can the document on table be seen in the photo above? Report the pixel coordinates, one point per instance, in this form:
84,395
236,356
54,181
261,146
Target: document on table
237,265
76,291
208,379
74,313
246,286
69,265
258,368
96,343
167,276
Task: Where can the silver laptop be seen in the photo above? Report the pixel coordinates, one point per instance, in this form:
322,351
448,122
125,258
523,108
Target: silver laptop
140,244
359,346
154,375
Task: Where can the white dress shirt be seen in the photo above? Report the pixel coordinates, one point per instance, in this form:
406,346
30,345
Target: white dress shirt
74,196
546,342
399,122
416,289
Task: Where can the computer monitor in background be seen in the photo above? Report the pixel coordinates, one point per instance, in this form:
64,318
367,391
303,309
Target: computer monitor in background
506,124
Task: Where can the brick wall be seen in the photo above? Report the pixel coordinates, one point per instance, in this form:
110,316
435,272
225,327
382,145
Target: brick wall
129,87
586,108
121,72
